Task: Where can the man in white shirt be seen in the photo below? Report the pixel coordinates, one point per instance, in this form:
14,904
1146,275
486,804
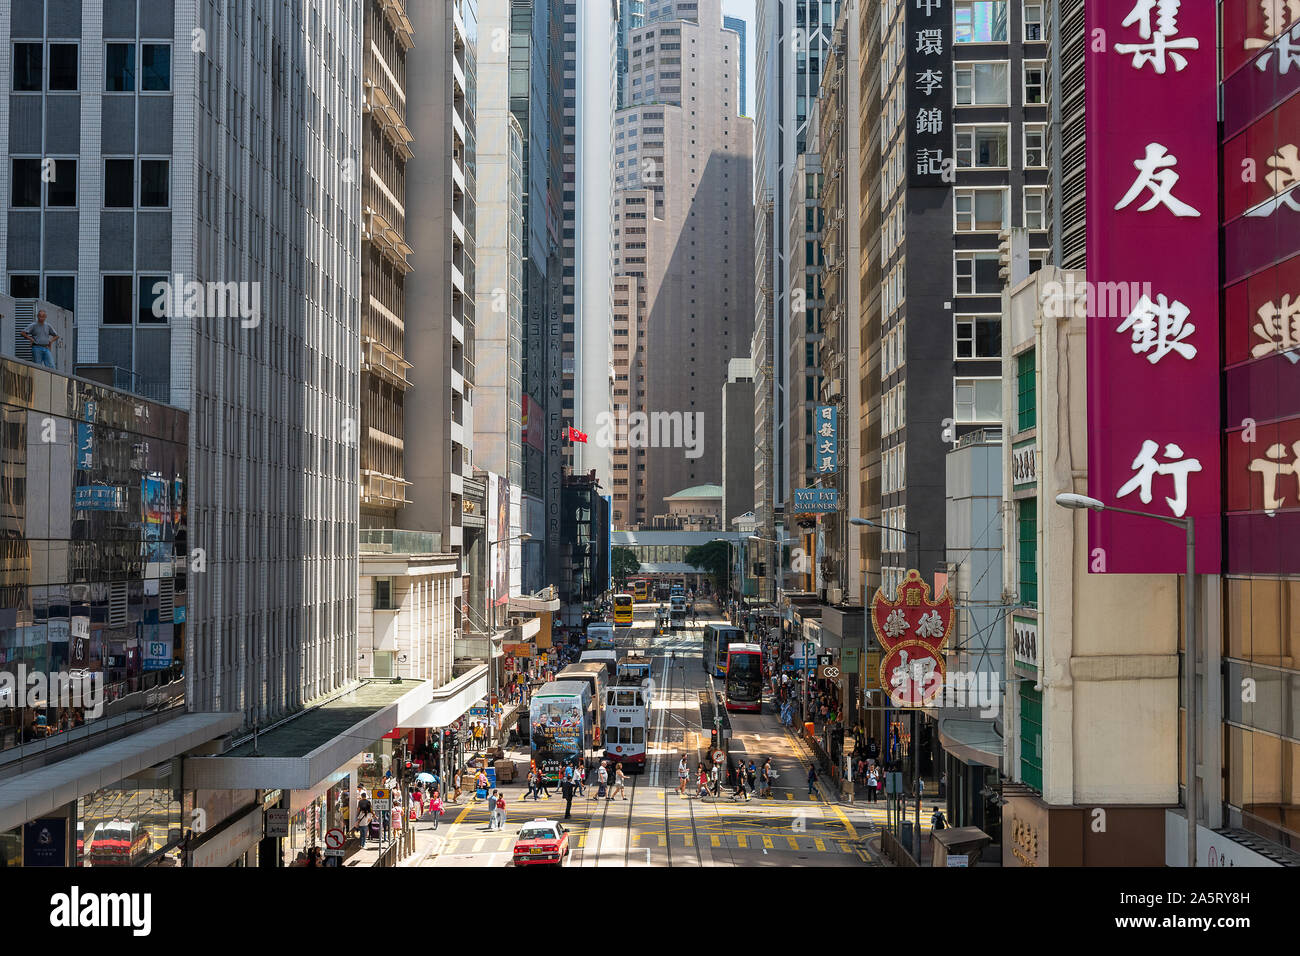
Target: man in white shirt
683,772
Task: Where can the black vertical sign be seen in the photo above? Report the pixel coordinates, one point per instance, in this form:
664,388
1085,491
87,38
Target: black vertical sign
929,92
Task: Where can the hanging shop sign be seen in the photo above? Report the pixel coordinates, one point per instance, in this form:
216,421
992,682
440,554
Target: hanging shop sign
912,629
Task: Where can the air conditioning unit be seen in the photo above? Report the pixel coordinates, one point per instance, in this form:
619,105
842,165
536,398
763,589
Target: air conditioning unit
834,595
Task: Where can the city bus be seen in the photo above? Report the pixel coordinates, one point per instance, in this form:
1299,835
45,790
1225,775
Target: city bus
600,636
595,675
623,609
717,638
744,687
641,590
627,722
560,725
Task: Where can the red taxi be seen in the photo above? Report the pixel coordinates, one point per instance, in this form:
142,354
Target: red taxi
542,842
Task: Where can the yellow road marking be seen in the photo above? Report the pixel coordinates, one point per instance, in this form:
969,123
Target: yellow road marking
741,841
820,844
767,842
464,813
663,841
714,841
794,844
844,847
689,838
478,845
789,796
582,840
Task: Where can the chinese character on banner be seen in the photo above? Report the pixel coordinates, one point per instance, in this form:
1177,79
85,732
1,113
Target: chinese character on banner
1147,467
929,6
1281,29
1284,179
929,42
1163,38
929,161
912,630
929,121
1159,328
1155,172
1279,327
1273,466
928,81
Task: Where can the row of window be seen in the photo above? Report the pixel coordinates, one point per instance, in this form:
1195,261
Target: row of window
989,209
124,64
127,183
989,83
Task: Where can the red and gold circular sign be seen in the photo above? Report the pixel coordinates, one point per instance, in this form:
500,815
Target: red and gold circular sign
912,674
912,629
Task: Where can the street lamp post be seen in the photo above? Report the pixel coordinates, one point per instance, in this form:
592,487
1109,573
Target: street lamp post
780,559
729,544
1080,502
916,723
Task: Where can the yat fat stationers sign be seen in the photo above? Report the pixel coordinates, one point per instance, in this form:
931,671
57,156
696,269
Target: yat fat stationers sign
816,500
826,436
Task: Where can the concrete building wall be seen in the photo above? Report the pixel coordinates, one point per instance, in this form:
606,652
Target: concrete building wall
738,431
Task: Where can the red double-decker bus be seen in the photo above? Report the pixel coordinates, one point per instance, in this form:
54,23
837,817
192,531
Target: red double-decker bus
744,681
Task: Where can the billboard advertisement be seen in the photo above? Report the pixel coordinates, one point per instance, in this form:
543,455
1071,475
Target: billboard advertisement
1152,224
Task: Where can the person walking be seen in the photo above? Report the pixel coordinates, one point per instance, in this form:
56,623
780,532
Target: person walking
620,782
542,785
872,775
683,773
531,790
566,787
602,779
751,777
703,784
436,807
715,780
364,819
812,779
765,779
580,778
740,784
499,809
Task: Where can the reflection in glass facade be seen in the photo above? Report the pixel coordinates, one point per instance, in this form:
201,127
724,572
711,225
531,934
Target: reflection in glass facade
92,555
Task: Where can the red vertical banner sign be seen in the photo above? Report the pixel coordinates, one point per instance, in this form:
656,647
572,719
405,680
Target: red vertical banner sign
1153,318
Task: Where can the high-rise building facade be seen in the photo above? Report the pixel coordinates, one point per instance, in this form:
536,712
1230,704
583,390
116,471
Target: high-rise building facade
740,28
682,172
790,47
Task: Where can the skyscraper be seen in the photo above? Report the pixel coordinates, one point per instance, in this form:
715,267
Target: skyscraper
739,25
684,233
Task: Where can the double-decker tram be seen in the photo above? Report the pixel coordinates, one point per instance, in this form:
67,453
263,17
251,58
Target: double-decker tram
623,604
627,721
744,681
717,638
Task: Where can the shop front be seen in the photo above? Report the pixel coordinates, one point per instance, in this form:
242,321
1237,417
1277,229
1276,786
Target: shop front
1036,834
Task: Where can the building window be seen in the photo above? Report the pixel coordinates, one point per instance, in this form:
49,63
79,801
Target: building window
25,191
119,68
154,189
24,286
976,273
983,84
28,63
61,291
63,67
980,210
1027,530
152,306
61,190
1035,155
979,21
116,307
119,183
383,594
1026,411
981,147
977,400
1035,201
1033,20
1033,83
978,337
1031,736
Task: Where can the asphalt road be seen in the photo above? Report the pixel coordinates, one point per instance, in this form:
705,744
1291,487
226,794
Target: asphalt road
656,826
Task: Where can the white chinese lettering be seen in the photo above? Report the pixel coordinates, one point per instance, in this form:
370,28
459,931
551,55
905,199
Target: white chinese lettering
827,430
1155,172
896,623
929,81
1159,328
1288,52
1277,15
929,161
929,42
1284,178
1163,41
929,121
930,625
1279,327
1147,468
929,6
1271,468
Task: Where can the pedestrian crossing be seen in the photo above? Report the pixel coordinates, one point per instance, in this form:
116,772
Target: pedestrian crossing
760,843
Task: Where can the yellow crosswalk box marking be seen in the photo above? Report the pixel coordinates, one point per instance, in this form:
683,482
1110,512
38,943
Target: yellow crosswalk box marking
794,844
582,840
820,844
741,841
663,840
844,847
478,845
714,841
505,844
689,838
767,843
789,796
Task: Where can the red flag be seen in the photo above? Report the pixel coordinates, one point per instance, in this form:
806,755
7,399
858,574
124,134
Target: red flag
575,435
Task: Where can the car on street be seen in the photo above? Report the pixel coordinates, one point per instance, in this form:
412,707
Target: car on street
542,842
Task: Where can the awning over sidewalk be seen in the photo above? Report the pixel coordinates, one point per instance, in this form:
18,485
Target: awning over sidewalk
41,792
306,749
969,738
452,700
